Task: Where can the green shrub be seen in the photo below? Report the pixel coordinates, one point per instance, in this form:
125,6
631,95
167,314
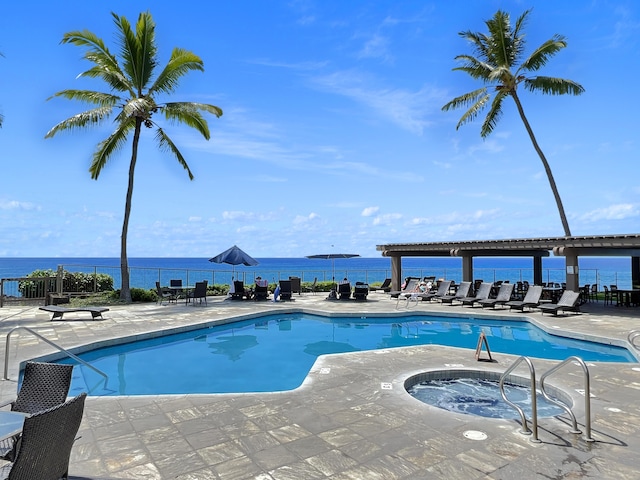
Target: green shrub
72,282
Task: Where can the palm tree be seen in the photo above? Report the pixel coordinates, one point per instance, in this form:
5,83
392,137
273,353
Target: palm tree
496,64
134,86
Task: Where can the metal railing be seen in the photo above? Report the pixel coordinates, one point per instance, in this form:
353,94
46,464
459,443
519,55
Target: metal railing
587,396
54,345
633,334
534,403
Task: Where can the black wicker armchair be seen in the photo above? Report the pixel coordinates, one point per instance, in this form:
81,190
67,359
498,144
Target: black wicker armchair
44,385
45,445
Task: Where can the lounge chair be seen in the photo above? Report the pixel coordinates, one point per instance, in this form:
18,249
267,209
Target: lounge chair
482,293
462,292
296,285
239,292
410,287
385,287
443,289
530,300
504,295
59,311
47,439
360,291
344,291
261,292
44,385
285,290
569,302
313,288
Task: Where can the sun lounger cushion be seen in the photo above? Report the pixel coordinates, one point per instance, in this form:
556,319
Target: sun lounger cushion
58,311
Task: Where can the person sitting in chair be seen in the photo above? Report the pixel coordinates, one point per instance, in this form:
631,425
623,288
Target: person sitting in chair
261,282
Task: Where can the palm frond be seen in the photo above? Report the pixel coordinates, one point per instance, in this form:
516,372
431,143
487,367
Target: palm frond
81,120
541,55
114,77
189,114
165,144
480,43
474,67
494,114
499,26
553,86
109,146
89,96
137,49
465,100
180,63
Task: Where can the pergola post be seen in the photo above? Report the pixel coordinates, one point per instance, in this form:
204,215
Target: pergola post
635,271
537,270
467,268
396,273
572,274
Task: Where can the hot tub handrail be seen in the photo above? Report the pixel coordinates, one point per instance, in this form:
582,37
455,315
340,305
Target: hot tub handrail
49,342
534,404
633,334
587,396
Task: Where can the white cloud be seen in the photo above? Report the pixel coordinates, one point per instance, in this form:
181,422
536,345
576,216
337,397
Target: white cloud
369,211
16,205
300,219
387,218
612,212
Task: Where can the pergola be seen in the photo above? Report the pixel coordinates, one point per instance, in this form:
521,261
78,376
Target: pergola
569,247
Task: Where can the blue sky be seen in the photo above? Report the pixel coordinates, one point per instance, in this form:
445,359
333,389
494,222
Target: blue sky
332,138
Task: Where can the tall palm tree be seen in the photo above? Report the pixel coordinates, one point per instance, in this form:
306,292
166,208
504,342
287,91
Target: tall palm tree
134,87
496,64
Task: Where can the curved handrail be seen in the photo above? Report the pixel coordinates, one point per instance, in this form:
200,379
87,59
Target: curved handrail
49,342
587,396
633,334
534,404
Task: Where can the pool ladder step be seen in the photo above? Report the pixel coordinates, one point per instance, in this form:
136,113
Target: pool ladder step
534,407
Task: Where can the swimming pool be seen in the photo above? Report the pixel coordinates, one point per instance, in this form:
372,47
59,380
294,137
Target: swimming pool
275,352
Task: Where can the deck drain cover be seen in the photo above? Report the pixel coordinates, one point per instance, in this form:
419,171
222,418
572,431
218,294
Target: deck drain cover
475,435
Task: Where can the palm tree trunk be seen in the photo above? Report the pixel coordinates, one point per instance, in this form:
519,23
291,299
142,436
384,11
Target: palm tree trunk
125,291
547,168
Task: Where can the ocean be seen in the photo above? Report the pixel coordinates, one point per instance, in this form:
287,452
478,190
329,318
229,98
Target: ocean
146,271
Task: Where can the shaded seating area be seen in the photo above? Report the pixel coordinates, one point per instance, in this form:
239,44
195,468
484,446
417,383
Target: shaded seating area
530,300
410,286
569,302
503,296
482,293
443,290
239,291
46,442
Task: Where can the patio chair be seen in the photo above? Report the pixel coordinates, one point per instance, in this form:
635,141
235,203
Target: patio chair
569,302
45,446
313,288
530,300
504,295
44,385
296,285
285,290
261,291
199,292
462,292
165,294
360,291
344,291
385,287
482,293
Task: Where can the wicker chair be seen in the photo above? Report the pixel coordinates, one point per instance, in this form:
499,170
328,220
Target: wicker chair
44,385
46,442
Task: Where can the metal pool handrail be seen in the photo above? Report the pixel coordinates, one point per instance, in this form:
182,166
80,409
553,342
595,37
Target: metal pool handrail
633,334
534,403
49,342
587,396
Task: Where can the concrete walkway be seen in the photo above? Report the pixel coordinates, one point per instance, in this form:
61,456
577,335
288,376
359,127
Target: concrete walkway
352,418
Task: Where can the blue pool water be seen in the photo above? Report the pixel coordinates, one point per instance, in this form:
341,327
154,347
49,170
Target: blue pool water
276,352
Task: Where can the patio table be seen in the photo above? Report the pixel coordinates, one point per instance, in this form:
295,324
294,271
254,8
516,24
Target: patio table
11,423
